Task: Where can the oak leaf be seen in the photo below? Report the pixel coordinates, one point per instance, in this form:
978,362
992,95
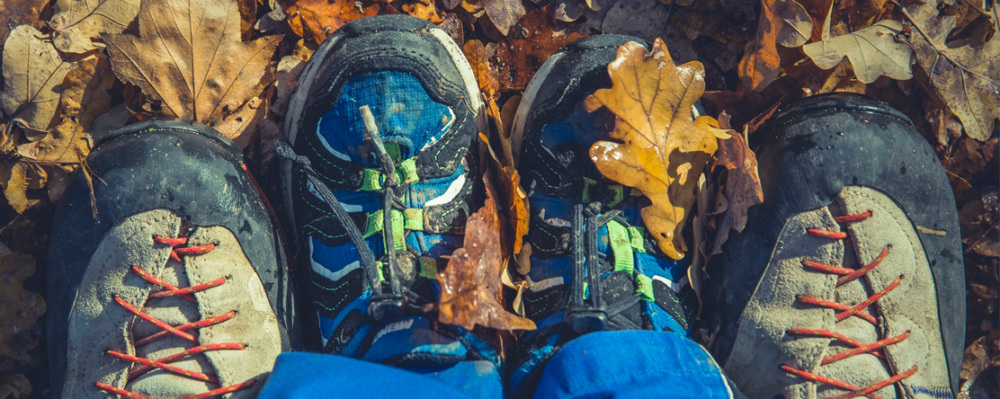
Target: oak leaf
189,55
77,22
660,149
504,13
471,283
85,90
32,74
783,22
967,78
873,51
317,19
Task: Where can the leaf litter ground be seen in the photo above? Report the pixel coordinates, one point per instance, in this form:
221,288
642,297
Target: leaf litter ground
74,70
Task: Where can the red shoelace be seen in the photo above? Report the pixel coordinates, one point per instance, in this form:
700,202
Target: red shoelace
843,312
168,290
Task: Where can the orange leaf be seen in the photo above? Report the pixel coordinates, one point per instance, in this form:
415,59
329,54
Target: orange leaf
470,284
317,19
479,58
424,10
782,22
661,150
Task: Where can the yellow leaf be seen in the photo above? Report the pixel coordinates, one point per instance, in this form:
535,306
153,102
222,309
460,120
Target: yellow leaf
660,149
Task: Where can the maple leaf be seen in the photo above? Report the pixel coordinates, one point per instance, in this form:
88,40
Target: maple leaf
32,74
873,51
661,150
471,283
317,19
190,56
967,78
77,22
782,22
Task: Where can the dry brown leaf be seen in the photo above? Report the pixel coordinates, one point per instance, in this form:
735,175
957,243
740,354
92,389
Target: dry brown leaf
22,12
77,22
13,177
20,310
967,78
85,90
661,150
14,386
742,187
520,56
189,55
873,51
479,58
316,19
782,22
32,74
471,284
504,13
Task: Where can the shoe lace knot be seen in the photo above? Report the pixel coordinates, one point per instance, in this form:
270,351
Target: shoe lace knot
844,311
178,249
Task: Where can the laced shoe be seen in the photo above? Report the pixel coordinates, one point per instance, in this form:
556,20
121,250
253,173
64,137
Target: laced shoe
848,280
166,280
593,266
377,214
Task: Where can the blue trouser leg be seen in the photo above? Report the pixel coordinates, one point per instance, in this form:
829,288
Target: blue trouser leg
300,375
606,364
632,364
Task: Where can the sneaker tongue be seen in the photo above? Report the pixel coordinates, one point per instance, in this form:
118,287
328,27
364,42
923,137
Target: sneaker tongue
174,311
404,112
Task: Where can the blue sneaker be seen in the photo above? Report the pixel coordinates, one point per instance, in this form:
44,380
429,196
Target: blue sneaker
376,214
593,266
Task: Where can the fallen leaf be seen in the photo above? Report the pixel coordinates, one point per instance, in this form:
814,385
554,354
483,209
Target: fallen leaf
15,185
479,58
189,55
782,22
16,13
286,76
423,9
966,78
873,51
512,198
504,13
20,309
316,19
78,22
32,74
471,283
569,10
742,187
520,56
85,90
661,150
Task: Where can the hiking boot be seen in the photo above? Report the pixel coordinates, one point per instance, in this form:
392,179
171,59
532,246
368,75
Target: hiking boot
593,267
848,280
378,211
165,277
